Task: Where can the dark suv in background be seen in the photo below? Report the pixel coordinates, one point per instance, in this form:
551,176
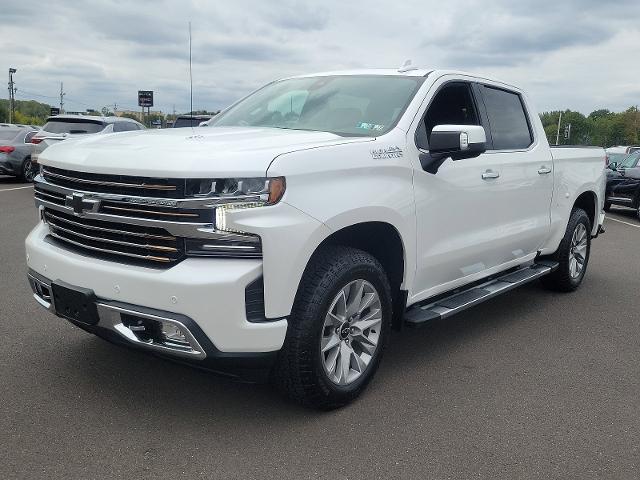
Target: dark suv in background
623,183
190,120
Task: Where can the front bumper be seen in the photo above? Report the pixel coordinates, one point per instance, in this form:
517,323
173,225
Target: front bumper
200,353
207,293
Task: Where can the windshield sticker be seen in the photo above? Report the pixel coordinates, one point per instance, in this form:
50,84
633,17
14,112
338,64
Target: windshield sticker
387,152
370,126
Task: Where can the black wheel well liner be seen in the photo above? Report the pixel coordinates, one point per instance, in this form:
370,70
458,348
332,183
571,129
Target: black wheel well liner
382,241
588,201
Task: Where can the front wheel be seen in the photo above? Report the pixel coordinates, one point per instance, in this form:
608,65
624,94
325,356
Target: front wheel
572,254
337,329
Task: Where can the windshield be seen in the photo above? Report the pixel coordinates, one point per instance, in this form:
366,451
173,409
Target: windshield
630,161
364,105
72,125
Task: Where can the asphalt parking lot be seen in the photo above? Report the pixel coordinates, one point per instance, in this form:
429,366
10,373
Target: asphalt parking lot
529,385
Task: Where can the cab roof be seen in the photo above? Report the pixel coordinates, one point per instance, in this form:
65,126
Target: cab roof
408,71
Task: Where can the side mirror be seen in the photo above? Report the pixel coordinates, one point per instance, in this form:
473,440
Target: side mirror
613,166
452,141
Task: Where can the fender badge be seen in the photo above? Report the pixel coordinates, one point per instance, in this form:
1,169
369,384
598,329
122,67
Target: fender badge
388,152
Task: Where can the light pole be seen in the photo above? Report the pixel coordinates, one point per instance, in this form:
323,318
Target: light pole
558,133
12,98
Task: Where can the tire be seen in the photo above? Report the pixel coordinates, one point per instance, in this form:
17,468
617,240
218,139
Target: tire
27,172
607,206
302,371
566,278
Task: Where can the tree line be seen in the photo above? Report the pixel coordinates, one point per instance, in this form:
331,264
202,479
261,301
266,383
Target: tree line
601,127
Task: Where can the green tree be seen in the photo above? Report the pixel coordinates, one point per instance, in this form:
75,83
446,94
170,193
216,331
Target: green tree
4,113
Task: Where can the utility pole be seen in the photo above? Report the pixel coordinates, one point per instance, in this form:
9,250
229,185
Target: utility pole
558,134
12,95
62,94
115,109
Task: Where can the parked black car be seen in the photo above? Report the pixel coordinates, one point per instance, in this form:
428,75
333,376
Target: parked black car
190,120
623,183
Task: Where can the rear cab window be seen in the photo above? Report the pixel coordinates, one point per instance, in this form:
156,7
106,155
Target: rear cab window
508,120
73,126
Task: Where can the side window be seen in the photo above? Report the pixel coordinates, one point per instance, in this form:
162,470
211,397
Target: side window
452,105
507,119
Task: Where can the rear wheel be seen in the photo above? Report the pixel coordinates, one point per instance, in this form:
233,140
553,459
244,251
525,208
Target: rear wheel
572,254
28,172
337,329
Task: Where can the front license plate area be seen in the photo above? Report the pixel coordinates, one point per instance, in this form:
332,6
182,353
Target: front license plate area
75,303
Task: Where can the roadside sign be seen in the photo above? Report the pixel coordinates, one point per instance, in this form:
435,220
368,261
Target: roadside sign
145,98
55,111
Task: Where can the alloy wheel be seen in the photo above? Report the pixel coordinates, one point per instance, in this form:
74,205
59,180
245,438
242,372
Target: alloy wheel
578,251
27,171
351,332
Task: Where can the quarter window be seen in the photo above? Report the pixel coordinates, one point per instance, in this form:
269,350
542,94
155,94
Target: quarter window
507,119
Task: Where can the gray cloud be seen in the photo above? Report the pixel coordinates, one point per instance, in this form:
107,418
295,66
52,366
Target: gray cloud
568,54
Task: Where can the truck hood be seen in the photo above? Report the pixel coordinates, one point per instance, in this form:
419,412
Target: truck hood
185,152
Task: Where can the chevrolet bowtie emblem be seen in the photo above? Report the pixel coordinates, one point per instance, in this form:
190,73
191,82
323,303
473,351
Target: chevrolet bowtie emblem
79,204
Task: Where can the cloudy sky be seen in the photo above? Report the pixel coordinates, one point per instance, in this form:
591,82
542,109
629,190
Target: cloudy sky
578,54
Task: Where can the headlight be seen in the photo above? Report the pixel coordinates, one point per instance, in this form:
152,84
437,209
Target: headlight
258,190
228,195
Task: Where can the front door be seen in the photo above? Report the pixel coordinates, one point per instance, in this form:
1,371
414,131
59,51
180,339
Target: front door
479,214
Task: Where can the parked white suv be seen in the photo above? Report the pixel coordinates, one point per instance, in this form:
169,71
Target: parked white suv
313,216
63,127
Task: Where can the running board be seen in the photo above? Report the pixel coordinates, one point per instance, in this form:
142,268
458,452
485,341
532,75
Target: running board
460,300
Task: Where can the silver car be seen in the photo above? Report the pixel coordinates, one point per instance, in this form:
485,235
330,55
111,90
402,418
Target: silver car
15,152
62,127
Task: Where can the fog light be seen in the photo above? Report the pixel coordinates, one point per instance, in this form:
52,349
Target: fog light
172,333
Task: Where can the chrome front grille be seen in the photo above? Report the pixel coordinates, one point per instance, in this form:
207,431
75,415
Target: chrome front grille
131,242
98,216
135,229
115,184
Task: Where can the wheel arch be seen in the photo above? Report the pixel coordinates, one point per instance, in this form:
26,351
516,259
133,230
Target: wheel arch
384,242
588,201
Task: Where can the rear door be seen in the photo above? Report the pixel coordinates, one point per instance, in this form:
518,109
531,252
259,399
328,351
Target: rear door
526,173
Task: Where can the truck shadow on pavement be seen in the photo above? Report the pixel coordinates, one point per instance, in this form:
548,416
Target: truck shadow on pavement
6,180
113,375
629,214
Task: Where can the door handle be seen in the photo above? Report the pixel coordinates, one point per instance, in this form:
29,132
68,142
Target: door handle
489,174
544,170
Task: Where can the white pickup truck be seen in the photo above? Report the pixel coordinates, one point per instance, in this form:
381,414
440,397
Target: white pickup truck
287,239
